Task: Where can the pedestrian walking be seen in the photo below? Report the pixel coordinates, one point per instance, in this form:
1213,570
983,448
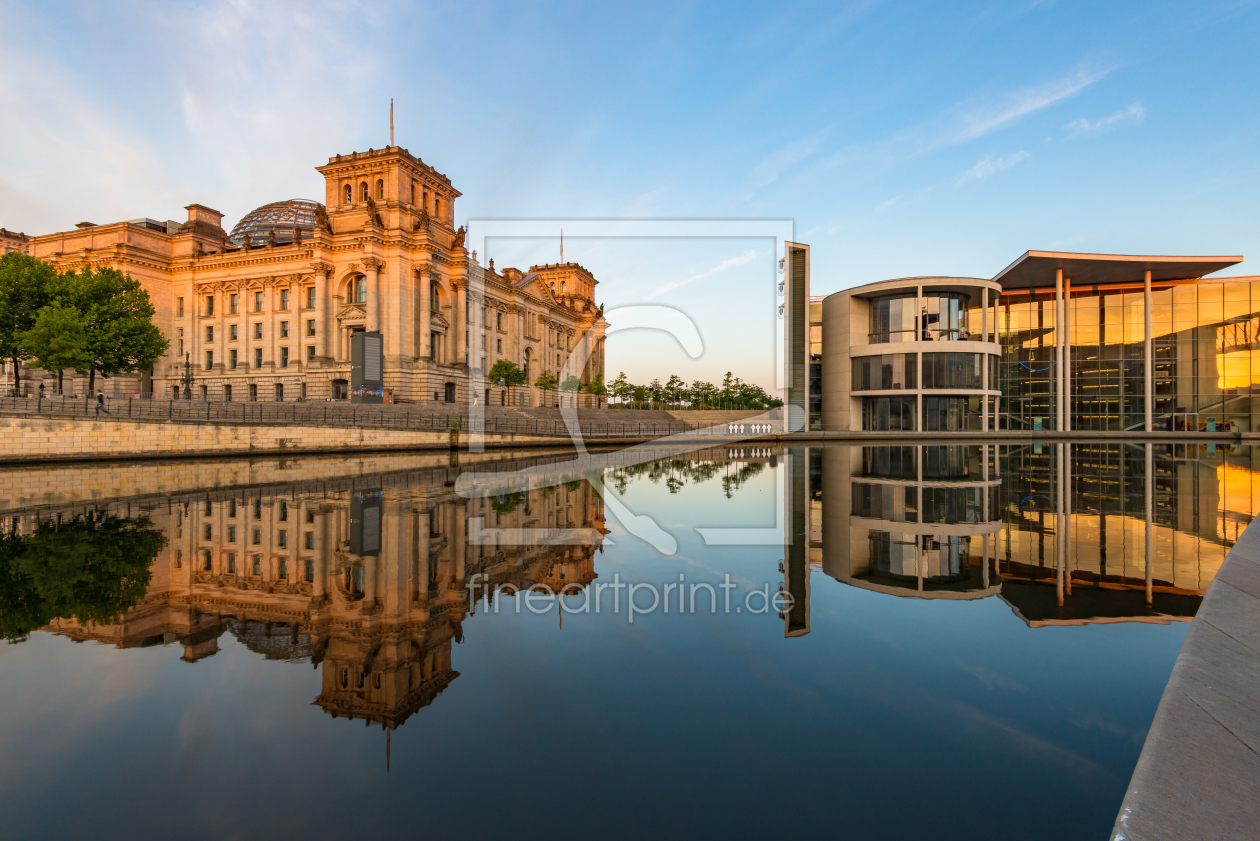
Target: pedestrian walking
100,404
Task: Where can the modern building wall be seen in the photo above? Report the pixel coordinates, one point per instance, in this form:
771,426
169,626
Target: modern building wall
910,354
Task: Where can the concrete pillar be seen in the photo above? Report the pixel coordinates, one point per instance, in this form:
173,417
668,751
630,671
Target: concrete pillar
1149,378
1059,525
372,315
1067,361
918,374
1150,501
1058,349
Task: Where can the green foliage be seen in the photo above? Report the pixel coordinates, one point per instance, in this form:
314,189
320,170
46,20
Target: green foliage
509,372
621,388
571,383
546,380
596,386
574,486
504,504
24,291
117,317
733,393
92,569
58,341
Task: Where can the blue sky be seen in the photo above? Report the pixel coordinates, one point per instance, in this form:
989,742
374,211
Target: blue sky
900,139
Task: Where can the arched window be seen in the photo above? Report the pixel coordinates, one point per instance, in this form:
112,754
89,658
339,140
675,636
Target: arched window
380,189
363,191
563,287
434,301
360,290
413,192
437,207
526,367
349,194
553,287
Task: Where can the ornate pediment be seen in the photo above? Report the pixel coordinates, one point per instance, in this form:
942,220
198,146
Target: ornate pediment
437,320
353,314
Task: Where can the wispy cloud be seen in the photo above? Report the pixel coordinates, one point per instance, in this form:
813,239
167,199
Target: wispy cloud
991,166
768,170
989,117
742,260
1134,114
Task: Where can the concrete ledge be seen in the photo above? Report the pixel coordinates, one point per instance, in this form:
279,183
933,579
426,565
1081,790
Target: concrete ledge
1199,773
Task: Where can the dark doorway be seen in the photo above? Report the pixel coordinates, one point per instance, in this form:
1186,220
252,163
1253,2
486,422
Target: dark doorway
450,392
340,390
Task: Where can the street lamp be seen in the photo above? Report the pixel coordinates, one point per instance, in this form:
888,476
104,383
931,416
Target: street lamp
187,378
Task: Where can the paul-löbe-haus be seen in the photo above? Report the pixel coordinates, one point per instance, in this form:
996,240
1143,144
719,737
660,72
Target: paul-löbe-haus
267,312
1145,344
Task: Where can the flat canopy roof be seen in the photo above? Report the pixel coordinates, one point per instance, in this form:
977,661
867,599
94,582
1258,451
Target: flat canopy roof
1035,269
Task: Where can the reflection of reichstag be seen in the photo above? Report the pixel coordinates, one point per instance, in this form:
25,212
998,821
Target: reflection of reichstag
365,578
1130,532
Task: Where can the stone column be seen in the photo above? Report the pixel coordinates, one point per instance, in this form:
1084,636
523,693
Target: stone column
461,321
1058,352
271,328
372,319
426,295
323,303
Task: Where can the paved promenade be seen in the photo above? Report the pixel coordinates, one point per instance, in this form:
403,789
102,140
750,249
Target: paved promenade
1199,773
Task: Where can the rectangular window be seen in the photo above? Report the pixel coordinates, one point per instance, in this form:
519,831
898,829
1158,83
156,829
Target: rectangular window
231,563
231,534
498,345
284,299
284,511
310,327
227,391
258,565
310,352
952,370
181,347
282,538
232,358
231,508
209,333
253,392
310,516
258,301
284,329
284,568
234,303
258,509
258,537
889,371
257,357
888,414
310,297
284,357
209,305
310,540
179,307
257,329
207,531
209,359
231,332
310,570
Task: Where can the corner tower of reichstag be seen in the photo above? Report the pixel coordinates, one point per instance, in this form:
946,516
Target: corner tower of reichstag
267,311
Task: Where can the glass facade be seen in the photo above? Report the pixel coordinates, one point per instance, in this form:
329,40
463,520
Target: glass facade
952,414
1205,357
889,371
944,317
953,370
892,319
896,414
815,363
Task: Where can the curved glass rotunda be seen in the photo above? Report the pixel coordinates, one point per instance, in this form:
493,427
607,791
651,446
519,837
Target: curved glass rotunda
280,218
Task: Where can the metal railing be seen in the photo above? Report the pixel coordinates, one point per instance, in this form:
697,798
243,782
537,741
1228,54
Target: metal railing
349,415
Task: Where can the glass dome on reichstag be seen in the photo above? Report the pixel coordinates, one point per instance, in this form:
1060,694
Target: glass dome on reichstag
281,217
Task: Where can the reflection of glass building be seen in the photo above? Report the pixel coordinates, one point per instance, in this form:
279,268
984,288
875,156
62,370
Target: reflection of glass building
1132,532
1132,326
911,520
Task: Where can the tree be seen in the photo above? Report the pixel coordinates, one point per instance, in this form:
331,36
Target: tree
621,388
508,372
654,390
596,386
546,380
117,317
571,383
58,341
674,389
703,394
24,291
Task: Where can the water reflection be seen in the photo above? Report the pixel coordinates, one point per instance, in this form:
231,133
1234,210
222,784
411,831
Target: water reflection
367,579
1064,534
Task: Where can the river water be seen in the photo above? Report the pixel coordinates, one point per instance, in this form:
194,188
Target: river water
883,642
